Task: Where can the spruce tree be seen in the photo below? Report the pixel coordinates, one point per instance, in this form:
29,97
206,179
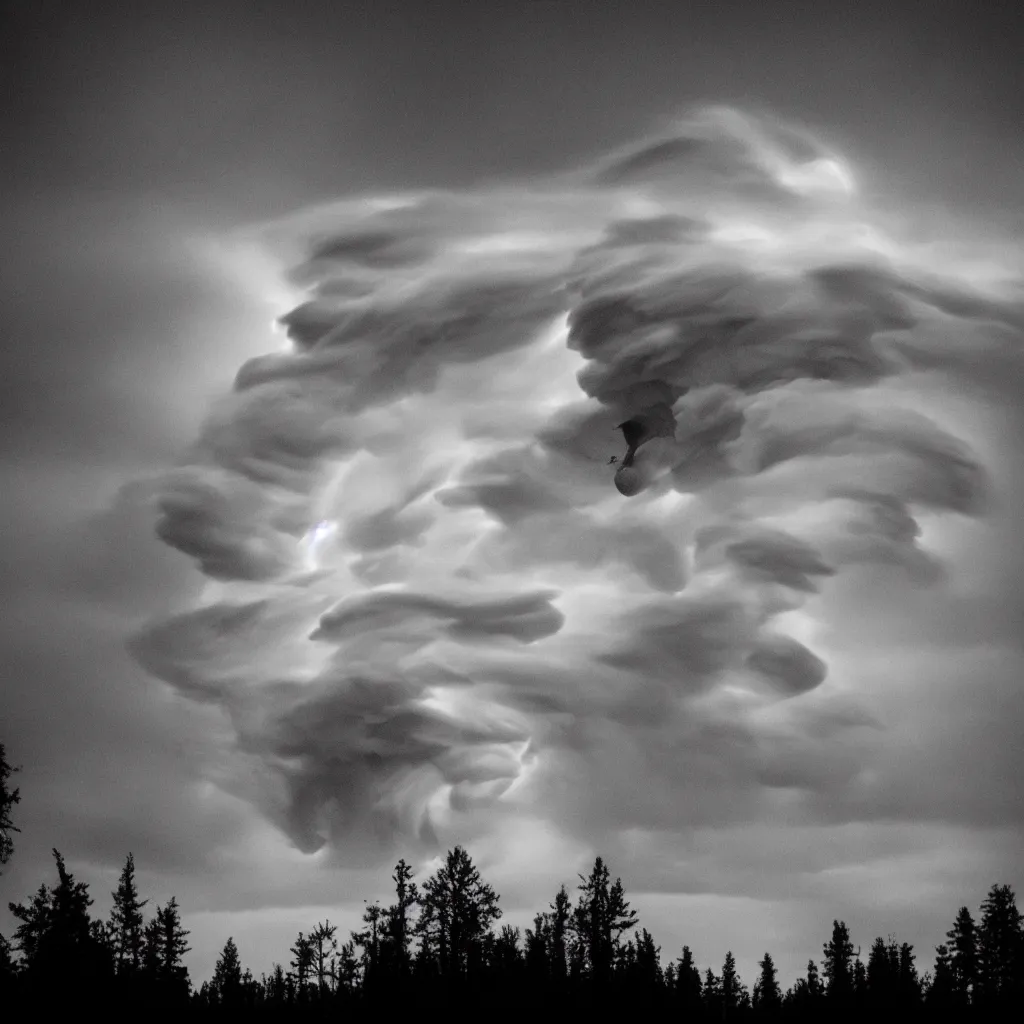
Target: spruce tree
126,921
767,996
712,995
601,916
152,948
648,973
688,984
8,798
370,939
1000,950
35,921
226,987
457,911
940,995
172,947
560,924
323,947
62,950
860,985
962,945
399,926
815,991
908,985
302,966
838,969
537,954
732,987
881,981
276,986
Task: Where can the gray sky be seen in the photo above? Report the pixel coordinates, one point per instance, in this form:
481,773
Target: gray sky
141,150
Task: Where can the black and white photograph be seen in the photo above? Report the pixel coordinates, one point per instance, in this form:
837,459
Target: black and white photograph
512,509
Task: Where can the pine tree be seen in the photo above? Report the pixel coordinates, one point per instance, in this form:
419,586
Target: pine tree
688,986
370,941
1000,978
399,927
507,957
940,995
171,949
226,987
601,916
126,921
560,923
908,985
323,947
347,969
649,977
537,955
8,798
35,921
732,987
963,958
815,991
458,910
767,996
860,985
152,948
712,995
837,967
302,966
881,977
276,986
63,952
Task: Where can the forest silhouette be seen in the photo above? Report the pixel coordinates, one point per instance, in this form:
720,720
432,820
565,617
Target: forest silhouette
439,947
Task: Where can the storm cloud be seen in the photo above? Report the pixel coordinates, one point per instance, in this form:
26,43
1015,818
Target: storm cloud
429,606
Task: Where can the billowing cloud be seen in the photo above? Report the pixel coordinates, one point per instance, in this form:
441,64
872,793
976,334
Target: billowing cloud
429,607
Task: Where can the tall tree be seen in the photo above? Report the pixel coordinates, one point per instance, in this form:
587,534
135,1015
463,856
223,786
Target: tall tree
227,976
171,947
732,987
860,984
908,984
347,968
560,922
8,798
837,966
56,938
457,911
1000,949
35,920
302,966
323,947
712,995
940,996
767,996
601,916
815,990
127,924
649,977
881,976
397,954
962,946
537,955
370,939
507,957
275,986
688,985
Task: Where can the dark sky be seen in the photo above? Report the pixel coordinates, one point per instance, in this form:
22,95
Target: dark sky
246,107
128,130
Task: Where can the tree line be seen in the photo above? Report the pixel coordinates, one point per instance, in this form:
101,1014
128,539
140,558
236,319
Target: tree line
440,945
